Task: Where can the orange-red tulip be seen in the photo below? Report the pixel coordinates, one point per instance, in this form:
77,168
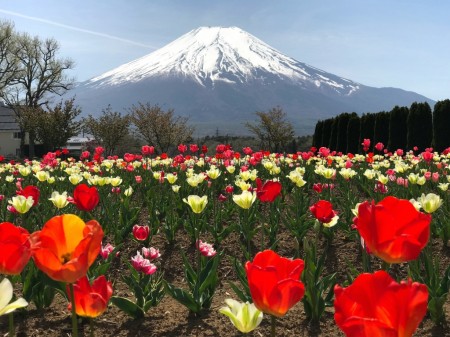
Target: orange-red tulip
377,306
85,198
393,229
66,247
91,300
15,251
274,282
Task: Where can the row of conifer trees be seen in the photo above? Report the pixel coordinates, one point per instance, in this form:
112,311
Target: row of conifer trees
401,128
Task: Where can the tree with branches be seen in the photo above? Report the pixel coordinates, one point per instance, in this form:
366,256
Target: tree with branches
57,124
40,74
109,129
272,129
9,66
162,129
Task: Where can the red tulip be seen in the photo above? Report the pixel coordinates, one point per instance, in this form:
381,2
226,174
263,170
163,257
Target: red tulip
141,232
393,229
147,150
375,305
14,247
274,282
91,300
30,191
85,198
182,148
193,148
268,191
129,157
323,211
66,247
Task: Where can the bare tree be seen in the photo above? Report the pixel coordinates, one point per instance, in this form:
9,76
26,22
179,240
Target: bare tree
109,129
41,74
160,128
9,66
273,130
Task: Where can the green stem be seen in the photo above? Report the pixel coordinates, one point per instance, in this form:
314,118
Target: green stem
74,314
12,331
91,327
247,231
262,236
385,266
273,321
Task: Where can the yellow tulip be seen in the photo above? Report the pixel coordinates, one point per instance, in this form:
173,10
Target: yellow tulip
196,203
245,200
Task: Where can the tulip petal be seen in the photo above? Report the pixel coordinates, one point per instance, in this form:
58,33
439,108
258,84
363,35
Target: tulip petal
6,293
20,303
66,247
274,282
361,327
376,305
15,248
285,295
393,229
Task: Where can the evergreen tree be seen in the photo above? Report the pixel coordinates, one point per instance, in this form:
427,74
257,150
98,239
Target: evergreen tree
398,128
381,128
367,129
420,126
441,123
334,133
317,138
343,119
326,132
353,129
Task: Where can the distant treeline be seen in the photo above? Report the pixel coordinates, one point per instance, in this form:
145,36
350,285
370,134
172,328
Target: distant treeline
401,128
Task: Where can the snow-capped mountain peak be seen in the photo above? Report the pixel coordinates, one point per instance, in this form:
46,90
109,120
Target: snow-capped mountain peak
211,54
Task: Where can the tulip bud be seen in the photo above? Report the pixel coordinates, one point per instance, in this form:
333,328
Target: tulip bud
196,203
21,204
141,232
128,192
244,316
59,200
430,202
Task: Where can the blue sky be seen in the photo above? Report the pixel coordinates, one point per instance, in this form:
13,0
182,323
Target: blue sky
381,43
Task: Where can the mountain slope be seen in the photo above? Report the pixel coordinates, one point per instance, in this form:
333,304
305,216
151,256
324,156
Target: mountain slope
221,76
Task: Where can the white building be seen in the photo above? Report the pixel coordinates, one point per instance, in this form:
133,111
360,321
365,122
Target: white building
9,133
76,145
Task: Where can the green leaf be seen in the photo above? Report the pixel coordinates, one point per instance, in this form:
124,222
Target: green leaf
183,297
189,272
208,275
226,231
239,293
128,307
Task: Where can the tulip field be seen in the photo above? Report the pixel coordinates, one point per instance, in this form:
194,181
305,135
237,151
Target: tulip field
226,242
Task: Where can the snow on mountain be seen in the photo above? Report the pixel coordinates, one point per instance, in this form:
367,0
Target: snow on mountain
230,55
219,77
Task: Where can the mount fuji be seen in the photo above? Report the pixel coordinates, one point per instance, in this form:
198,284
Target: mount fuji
220,76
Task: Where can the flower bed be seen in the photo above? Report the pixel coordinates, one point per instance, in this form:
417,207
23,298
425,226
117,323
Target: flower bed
166,240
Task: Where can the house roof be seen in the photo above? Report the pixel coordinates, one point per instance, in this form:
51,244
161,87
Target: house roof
7,119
